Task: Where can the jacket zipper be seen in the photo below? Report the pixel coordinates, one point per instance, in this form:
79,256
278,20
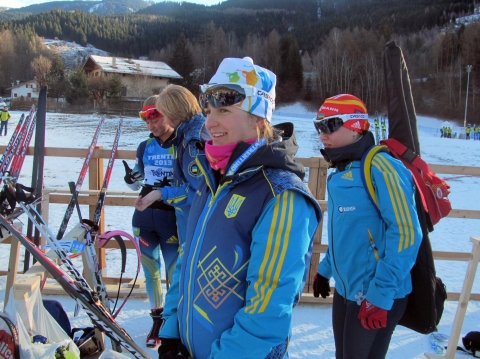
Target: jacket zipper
333,248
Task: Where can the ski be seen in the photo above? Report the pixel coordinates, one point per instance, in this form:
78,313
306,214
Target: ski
16,146
38,164
81,178
20,158
97,313
12,139
108,173
402,126
92,229
18,129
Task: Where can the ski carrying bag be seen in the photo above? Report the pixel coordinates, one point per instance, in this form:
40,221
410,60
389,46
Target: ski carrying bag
425,302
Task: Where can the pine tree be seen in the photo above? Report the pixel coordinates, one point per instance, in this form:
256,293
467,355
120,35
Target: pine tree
56,80
290,76
78,92
114,87
181,61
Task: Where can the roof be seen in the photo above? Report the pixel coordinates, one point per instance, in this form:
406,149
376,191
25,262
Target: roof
129,66
22,83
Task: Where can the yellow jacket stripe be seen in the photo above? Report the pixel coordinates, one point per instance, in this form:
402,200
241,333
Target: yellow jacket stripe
277,245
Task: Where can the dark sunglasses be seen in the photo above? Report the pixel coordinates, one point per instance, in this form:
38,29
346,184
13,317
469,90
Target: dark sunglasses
328,125
221,95
150,114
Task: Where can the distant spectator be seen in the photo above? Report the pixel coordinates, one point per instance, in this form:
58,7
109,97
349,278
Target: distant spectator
4,117
467,132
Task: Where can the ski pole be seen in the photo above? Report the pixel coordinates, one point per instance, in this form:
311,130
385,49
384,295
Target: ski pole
108,173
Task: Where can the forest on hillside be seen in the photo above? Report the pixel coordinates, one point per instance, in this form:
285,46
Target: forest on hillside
340,52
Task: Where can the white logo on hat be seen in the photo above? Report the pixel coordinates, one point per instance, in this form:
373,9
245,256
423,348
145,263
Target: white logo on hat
357,125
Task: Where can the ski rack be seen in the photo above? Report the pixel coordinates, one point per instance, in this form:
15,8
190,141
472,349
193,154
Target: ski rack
76,287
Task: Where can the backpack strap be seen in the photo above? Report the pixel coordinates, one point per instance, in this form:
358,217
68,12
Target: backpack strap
366,174
412,161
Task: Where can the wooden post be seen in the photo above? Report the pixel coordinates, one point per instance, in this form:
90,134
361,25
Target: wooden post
12,267
316,184
22,291
95,180
462,303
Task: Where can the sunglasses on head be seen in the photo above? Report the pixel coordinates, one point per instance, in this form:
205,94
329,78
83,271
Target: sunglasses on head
332,123
150,114
223,95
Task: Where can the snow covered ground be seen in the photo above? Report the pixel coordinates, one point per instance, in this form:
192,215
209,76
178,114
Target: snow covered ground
312,327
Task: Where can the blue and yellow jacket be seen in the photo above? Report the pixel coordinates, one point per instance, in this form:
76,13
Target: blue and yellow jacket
369,256
188,141
243,266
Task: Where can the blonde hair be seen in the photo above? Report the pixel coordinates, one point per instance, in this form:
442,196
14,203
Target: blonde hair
152,100
267,131
177,103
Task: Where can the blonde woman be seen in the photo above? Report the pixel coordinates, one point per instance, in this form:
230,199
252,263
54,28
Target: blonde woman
250,229
154,228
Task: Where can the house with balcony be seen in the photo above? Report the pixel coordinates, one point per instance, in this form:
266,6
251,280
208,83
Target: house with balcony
139,78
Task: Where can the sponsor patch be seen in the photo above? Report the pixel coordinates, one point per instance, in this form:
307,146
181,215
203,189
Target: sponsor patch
172,240
348,176
357,125
342,209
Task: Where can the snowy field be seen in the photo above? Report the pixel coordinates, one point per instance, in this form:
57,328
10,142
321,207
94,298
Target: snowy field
312,327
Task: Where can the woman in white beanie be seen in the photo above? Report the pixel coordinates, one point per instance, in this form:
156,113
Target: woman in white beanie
250,229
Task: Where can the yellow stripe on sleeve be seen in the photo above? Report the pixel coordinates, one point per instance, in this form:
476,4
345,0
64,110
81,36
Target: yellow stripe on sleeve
277,243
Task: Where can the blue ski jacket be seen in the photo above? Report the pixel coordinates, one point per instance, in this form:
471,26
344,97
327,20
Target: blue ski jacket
189,141
369,256
244,264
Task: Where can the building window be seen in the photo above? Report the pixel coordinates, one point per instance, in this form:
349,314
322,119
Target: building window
29,95
96,74
124,91
15,95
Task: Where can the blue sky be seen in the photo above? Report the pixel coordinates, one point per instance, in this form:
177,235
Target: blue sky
22,3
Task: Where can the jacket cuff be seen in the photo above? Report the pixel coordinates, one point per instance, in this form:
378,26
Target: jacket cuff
170,328
375,297
324,270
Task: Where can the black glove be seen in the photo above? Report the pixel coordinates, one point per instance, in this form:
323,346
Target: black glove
321,286
172,349
130,175
163,183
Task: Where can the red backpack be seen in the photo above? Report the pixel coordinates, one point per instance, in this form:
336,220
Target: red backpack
432,189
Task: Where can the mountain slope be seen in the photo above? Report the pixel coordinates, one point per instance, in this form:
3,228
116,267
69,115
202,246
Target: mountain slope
104,7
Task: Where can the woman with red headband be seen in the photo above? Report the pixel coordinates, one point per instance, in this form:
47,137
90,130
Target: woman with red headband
182,112
154,228
368,255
